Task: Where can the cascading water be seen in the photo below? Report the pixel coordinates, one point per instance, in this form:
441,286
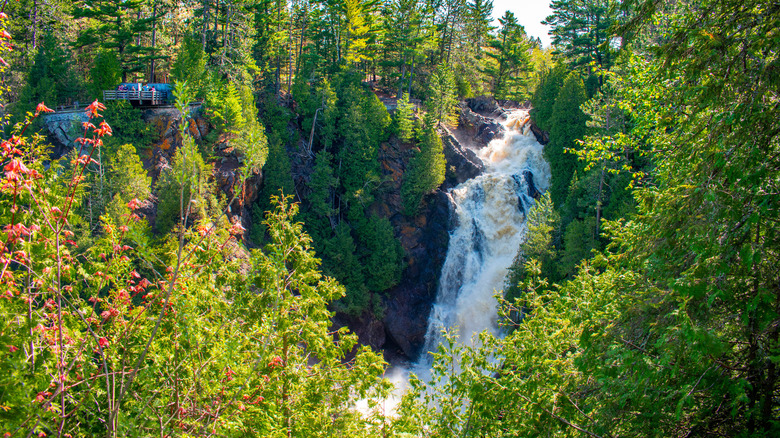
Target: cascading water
489,214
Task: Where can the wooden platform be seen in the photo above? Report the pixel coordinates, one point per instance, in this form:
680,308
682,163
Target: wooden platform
137,97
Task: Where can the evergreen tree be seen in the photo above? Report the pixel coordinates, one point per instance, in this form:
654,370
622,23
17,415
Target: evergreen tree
190,66
567,125
51,78
382,261
543,99
277,177
342,262
442,96
479,18
106,73
581,32
117,26
511,59
425,172
404,118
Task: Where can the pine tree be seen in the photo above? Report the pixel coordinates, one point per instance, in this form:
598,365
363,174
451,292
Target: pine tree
404,118
543,99
425,172
443,98
190,66
106,73
511,58
116,27
580,31
567,125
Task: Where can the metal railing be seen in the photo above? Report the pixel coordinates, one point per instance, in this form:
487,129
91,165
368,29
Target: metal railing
155,97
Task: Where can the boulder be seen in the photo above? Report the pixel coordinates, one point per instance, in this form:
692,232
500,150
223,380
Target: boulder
482,129
529,180
482,104
62,128
462,163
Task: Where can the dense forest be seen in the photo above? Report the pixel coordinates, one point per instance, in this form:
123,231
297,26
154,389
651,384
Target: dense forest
141,294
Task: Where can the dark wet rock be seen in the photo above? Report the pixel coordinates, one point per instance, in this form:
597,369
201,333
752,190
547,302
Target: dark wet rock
369,330
541,136
425,239
462,163
481,128
482,104
529,180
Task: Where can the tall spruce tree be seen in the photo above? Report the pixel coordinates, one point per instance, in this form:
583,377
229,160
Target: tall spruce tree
567,125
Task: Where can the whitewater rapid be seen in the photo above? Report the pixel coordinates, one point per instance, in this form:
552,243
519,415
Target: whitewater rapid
489,225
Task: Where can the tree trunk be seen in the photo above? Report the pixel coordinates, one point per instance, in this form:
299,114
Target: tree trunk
154,41
598,202
411,78
34,22
205,24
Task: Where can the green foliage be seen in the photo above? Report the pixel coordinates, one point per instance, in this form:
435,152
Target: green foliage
541,222
224,109
567,125
277,176
190,66
323,183
276,118
128,127
114,27
510,59
673,319
362,125
183,190
383,255
105,74
51,78
127,180
404,118
341,262
442,96
252,142
425,173
581,31
543,100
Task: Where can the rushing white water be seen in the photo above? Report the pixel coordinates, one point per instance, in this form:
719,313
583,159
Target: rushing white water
489,227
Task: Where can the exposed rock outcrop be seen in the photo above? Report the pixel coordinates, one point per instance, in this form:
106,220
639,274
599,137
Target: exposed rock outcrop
62,128
483,129
462,163
541,136
425,239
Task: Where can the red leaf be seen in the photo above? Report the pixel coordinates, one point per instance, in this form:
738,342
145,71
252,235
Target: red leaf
41,108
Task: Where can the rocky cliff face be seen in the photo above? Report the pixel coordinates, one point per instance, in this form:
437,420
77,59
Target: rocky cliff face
424,238
62,128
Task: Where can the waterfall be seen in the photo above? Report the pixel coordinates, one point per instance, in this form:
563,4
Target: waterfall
489,226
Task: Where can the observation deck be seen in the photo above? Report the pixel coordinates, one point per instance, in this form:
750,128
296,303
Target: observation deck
138,95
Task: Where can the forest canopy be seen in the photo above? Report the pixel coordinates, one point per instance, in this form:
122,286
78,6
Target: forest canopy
136,300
